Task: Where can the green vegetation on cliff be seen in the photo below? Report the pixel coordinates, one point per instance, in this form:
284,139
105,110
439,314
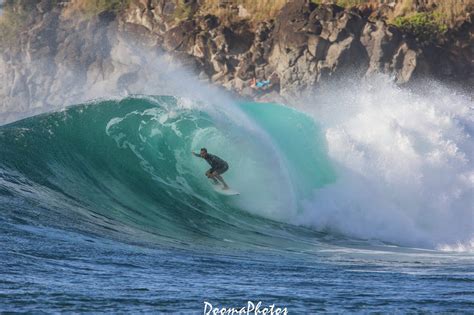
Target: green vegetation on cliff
90,8
427,21
183,10
342,3
252,9
444,13
426,27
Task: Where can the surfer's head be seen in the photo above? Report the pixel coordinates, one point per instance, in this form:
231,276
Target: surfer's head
203,152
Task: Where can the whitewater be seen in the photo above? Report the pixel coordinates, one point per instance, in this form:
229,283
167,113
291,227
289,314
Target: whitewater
356,198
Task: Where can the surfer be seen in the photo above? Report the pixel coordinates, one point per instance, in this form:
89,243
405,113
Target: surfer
218,166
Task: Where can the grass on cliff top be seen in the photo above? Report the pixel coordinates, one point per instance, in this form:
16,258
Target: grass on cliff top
256,10
445,11
343,3
91,8
426,26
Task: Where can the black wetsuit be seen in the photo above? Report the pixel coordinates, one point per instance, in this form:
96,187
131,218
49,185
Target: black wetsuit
217,164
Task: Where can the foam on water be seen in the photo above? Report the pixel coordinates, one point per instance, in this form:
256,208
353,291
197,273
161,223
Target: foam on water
404,164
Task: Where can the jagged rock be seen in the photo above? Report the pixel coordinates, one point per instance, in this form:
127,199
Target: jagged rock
288,32
246,69
317,47
381,42
181,37
345,57
306,45
201,45
209,22
140,14
404,63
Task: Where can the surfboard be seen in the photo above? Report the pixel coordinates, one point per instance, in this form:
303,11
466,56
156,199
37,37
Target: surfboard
226,192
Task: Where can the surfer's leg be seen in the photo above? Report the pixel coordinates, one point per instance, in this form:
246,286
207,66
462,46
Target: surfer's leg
219,177
210,175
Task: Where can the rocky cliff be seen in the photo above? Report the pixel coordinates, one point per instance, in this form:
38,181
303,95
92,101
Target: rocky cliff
60,57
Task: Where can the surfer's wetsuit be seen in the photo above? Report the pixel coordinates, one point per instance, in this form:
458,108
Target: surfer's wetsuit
217,164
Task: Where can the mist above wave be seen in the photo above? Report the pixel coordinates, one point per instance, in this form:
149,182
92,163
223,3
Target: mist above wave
404,163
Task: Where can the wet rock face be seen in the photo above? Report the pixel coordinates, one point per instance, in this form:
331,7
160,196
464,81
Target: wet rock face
53,59
303,47
314,44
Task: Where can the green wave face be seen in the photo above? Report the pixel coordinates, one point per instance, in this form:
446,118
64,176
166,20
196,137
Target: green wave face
126,167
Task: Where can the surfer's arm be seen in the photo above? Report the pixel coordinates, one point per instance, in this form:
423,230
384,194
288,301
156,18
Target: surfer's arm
195,154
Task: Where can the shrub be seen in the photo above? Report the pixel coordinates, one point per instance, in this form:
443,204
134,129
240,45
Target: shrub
426,27
90,8
350,3
183,10
258,10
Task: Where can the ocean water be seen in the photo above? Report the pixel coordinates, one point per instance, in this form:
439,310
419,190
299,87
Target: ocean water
360,208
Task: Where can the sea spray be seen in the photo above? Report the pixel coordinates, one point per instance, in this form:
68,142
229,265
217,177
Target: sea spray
403,160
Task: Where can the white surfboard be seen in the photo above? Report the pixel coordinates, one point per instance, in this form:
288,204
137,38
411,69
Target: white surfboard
227,192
